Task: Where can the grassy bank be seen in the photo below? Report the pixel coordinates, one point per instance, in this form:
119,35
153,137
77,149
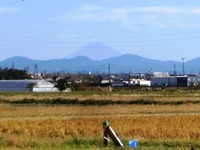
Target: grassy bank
96,144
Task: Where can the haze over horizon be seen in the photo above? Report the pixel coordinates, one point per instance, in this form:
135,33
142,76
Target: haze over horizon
48,29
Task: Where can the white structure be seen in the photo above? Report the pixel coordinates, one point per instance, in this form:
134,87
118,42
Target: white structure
140,82
144,83
44,86
133,82
160,74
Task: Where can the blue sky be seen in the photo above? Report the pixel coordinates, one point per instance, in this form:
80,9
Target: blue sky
47,29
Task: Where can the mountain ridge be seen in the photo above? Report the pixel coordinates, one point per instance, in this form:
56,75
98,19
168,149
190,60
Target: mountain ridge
124,63
84,61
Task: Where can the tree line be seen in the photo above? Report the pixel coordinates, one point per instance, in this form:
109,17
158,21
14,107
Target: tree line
13,74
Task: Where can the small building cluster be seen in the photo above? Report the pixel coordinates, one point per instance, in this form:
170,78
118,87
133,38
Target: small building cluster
155,79
173,81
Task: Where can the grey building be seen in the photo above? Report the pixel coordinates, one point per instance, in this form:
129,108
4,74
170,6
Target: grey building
190,80
164,81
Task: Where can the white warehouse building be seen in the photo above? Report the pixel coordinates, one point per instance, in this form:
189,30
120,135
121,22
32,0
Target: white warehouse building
45,86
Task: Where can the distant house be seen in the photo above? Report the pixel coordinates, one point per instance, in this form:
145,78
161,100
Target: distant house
104,79
137,75
118,83
193,80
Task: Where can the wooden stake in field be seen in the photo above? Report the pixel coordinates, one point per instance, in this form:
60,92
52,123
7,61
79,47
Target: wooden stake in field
105,133
108,131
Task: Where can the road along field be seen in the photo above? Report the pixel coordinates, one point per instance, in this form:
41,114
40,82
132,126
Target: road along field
157,120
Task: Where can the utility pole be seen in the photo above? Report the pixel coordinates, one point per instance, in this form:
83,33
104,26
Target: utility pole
26,68
110,88
183,59
35,70
13,66
109,72
174,69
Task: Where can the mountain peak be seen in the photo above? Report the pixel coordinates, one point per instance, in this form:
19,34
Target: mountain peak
96,51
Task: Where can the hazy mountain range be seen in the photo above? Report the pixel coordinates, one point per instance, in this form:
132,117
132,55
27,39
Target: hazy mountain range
95,57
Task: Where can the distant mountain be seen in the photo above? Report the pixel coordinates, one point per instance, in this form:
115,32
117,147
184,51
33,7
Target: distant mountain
125,63
95,57
96,51
22,62
76,64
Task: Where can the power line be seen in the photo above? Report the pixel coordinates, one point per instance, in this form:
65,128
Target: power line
75,37
75,42
119,45
116,41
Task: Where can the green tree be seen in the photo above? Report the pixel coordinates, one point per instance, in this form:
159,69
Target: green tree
61,84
